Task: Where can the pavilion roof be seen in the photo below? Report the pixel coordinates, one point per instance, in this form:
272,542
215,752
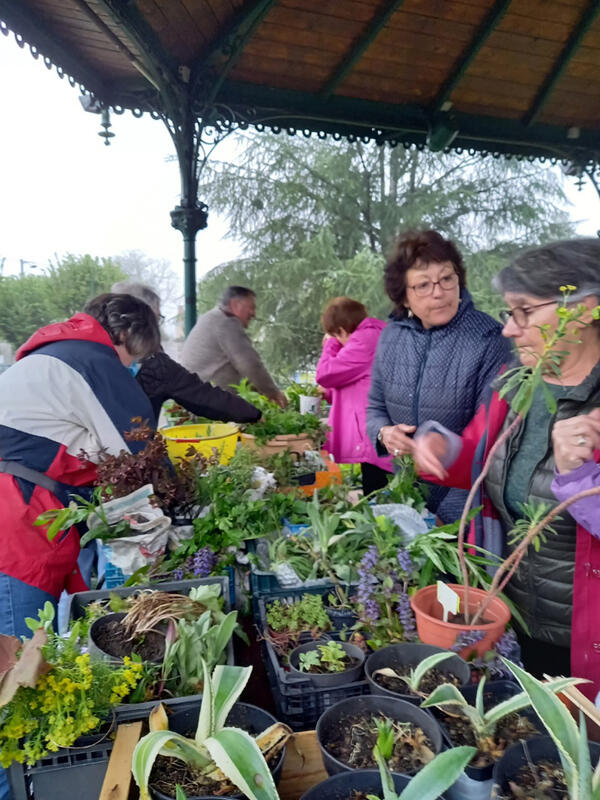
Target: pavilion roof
503,76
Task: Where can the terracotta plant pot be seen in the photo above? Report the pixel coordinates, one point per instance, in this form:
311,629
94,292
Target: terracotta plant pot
433,630
296,442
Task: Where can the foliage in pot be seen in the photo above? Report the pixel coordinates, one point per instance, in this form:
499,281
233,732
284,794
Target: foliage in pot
335,663
289,621
410,663
433,630
51,692
484,722
365,712
216,751
582,781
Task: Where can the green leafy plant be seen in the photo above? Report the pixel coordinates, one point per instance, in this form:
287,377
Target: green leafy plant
51,692
196,641
430,782
306,614
277,421
216,751
484,723
583,782
329,657
416,675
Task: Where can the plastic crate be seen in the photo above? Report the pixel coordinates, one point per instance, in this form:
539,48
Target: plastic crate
78,601
297,701
264,585
78,772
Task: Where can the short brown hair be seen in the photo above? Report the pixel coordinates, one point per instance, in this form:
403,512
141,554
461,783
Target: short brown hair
128,321
343,312
418,246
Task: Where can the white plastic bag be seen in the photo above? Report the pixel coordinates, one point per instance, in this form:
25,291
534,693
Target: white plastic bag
408,519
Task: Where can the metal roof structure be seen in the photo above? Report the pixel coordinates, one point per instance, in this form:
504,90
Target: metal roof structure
515,77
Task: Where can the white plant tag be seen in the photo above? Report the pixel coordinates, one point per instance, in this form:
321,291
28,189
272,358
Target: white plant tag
448,598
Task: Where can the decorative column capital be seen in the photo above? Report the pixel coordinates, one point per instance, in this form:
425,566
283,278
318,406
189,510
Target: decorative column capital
190,220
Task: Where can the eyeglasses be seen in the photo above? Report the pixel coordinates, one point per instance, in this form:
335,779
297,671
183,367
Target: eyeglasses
446,283
520,314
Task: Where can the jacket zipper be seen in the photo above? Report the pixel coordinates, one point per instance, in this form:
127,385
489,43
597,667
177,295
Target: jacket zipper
420,380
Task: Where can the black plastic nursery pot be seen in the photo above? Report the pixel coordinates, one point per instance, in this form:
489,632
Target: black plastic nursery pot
97,652
341,618
342,785
331,679
521,754
406,656
494,692
338,716
250,718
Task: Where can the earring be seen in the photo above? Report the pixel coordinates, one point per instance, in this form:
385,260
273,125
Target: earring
410,314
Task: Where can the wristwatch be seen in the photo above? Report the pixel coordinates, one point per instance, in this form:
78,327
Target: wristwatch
380,434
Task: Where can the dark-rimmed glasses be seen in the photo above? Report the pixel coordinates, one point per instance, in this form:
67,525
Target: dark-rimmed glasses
520,314
446,283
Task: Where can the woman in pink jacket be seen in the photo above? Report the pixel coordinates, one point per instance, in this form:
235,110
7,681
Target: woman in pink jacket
344,371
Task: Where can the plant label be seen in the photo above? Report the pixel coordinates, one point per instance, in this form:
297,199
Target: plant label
448,598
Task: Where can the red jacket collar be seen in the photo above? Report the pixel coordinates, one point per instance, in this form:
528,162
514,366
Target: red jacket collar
80,327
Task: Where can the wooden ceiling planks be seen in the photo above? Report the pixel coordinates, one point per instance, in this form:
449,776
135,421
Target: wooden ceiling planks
300,45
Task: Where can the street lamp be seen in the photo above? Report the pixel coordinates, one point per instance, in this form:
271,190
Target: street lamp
22,263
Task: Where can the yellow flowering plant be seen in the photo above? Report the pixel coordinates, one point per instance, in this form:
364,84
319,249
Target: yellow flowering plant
71,697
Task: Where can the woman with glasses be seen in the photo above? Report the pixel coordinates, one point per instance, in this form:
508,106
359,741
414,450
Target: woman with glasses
435,358
552,454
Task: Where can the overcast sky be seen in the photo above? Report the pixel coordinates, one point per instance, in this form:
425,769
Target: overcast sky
63,191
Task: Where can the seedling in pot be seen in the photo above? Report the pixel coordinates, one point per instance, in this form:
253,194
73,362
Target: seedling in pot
414,678
217,752
431,781
328,657
484,725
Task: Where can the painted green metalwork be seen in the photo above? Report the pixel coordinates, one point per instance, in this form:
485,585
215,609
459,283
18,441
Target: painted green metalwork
587,19
485,29
372,31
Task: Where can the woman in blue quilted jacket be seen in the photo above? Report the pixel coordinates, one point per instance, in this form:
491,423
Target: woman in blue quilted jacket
436,357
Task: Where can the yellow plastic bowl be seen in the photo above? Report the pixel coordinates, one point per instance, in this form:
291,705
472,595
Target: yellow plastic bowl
203,438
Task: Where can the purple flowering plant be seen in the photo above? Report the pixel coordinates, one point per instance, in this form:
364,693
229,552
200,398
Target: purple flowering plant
386,574
491,664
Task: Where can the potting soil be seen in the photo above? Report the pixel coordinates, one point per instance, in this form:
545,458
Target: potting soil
544,780
356,737
511,729
429,682
113,639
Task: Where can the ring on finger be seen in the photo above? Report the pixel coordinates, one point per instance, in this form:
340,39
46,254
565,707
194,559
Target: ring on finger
396,452
581,441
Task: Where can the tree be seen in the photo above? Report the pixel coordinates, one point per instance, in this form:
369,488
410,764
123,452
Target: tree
317,218
156,273
30,301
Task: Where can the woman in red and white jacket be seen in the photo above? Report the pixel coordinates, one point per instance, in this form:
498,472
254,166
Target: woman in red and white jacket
555,586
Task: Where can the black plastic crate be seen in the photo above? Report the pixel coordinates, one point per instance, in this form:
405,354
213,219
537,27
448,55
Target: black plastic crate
297,701
78,772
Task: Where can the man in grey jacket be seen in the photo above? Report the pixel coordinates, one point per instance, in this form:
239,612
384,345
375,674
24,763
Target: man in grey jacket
218,348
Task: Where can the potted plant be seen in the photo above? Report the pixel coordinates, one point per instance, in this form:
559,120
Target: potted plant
222,759
558,765
486,716
280,429
327,664
52,692
347,733
288,622
412,671
428,784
